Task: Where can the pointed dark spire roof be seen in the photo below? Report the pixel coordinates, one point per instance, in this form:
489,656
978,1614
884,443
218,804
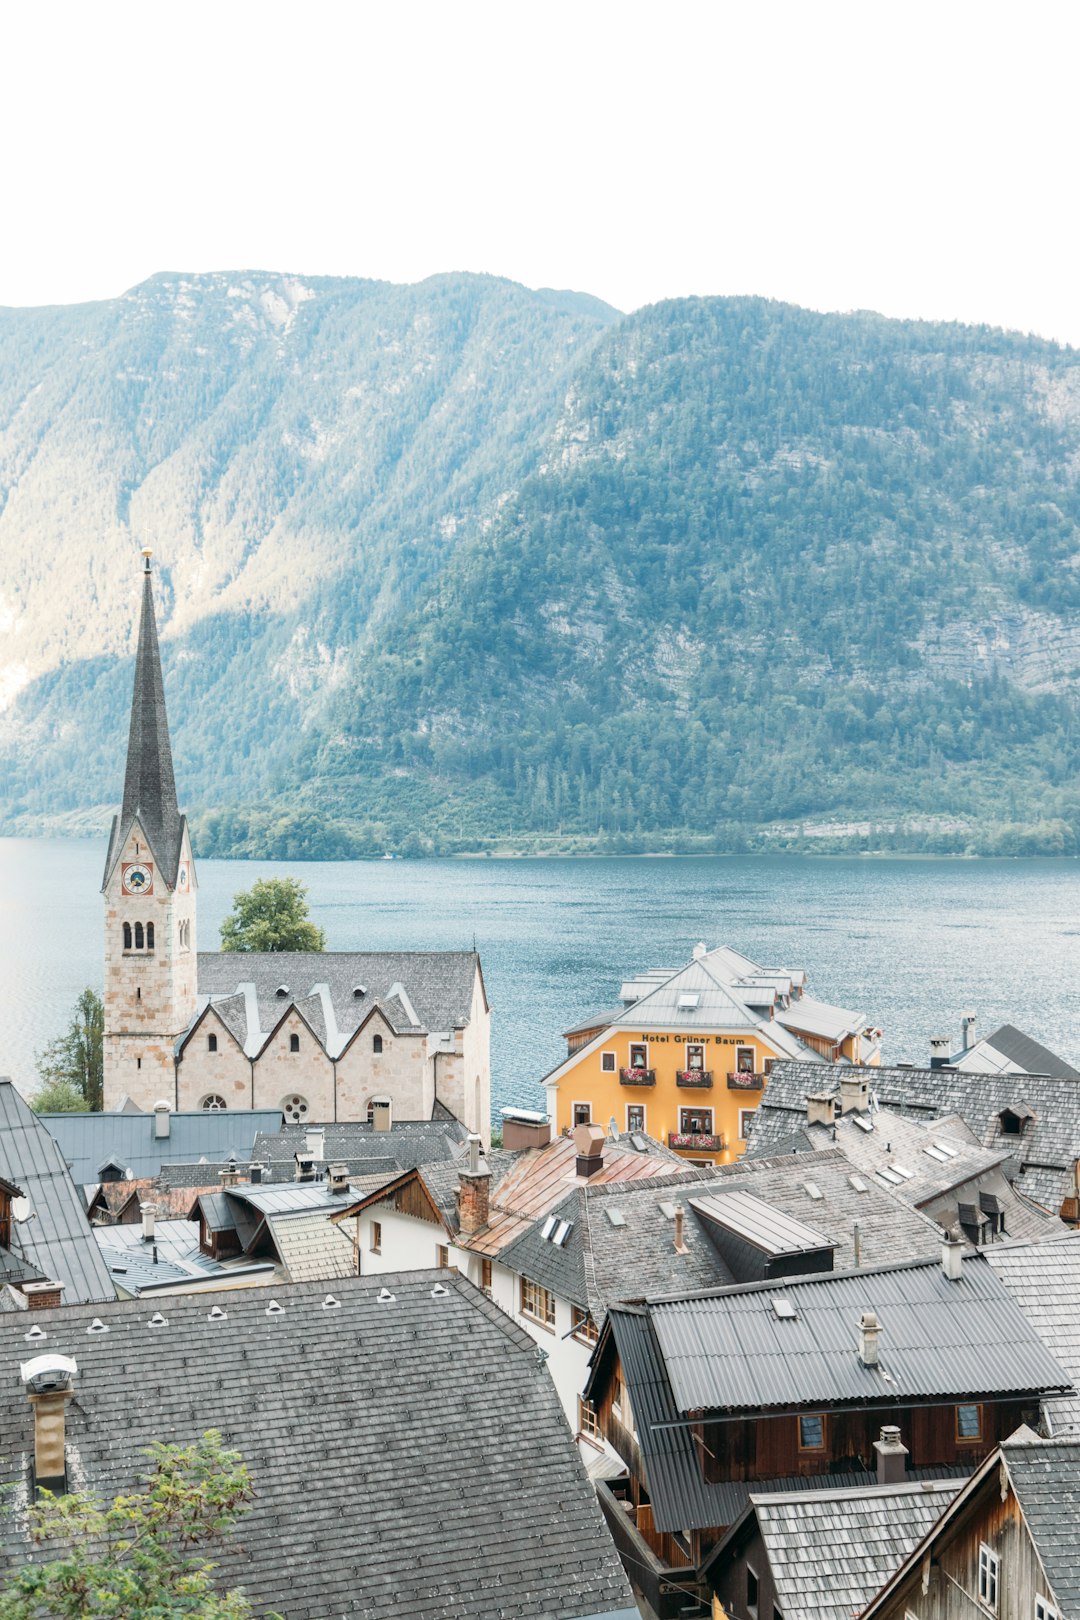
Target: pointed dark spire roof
149,785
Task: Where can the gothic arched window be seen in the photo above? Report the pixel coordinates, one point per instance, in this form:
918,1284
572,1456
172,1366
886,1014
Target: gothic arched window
138,936
149,936
127,936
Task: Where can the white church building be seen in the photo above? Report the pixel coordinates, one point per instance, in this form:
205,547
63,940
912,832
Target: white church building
324,1036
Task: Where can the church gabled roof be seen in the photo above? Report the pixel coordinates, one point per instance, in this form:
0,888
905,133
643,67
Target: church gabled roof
149,785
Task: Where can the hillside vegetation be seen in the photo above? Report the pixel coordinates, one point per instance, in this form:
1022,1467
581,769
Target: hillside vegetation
464,567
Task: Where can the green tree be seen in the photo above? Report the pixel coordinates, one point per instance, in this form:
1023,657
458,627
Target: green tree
144,1556
71,1067
271,916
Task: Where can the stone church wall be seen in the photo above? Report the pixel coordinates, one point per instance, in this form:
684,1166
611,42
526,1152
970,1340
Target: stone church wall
225,1073
401,1071
281,1073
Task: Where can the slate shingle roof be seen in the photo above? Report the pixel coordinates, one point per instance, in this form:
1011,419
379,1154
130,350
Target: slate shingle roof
889,1229
1046,1149
830,1550
438,991
406,1144
1044,1280
57,1240
410,1456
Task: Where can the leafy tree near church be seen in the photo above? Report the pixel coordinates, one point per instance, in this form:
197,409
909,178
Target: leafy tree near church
143,1556
271,916
71,1067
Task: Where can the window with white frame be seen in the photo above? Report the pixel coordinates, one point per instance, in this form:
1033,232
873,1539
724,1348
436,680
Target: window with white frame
746,1122
582,1114
639,1055
635,1116
537,1302
376,1237
607,1062
1045,1610
744,1059
989,1577
695,1121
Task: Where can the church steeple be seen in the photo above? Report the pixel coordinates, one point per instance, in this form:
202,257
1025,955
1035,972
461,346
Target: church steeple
149,784
151,962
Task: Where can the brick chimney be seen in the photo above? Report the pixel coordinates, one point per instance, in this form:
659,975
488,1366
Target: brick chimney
589,1141
820,1108
474,1187
892,1456
41,1296
48,1389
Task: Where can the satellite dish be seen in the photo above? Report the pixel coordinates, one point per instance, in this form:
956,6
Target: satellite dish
20,1208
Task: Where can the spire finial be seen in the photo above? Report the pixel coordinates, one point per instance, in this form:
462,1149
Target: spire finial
147,552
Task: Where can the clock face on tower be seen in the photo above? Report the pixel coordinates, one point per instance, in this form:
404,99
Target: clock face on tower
138,878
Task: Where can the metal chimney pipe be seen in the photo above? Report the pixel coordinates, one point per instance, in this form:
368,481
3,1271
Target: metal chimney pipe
149,1221
952,1256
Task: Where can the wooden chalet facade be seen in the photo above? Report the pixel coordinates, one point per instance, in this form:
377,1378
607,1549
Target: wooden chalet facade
766,1385
1008,1545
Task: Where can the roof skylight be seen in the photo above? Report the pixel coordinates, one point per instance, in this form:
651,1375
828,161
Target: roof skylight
784,1309
616,1217
859,1184
813,1190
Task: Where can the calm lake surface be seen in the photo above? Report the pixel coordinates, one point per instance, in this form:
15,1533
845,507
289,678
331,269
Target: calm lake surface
912,944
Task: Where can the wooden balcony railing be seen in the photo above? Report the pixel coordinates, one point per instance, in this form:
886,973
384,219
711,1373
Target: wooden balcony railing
694,1079
637,1077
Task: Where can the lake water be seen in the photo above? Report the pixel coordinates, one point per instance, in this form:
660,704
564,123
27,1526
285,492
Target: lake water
912,944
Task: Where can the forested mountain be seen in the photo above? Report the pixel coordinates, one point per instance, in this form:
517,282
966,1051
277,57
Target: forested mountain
465,566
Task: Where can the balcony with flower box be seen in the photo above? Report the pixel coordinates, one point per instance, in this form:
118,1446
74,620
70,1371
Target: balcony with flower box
740,1080
696,1141
695,1079
637,1077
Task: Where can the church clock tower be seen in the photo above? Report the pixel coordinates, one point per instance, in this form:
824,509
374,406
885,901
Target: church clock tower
149,888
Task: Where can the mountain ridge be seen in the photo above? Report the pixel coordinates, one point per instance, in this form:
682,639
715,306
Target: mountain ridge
463,566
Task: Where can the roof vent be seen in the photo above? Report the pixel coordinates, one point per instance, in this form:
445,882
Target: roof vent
359,990
274,1309
282,991
331,1304
784,1309
386,1297
97,1326
869,1336
217,1315
439,1292
36,1334
157,1320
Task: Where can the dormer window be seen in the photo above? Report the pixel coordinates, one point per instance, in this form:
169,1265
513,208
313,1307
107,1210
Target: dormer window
1014,1121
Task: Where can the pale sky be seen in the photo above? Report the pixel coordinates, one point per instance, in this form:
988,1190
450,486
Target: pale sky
918,159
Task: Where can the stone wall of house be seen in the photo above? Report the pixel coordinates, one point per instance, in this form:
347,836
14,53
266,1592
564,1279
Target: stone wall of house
307,1074
401,1072
202,1073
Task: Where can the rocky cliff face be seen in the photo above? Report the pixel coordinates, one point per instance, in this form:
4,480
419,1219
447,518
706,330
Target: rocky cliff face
456,561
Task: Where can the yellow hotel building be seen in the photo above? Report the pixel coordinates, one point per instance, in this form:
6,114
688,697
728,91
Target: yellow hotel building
686,1056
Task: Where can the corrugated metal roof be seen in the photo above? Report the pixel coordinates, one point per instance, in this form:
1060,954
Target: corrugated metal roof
89,1140
58,1240
731,1352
